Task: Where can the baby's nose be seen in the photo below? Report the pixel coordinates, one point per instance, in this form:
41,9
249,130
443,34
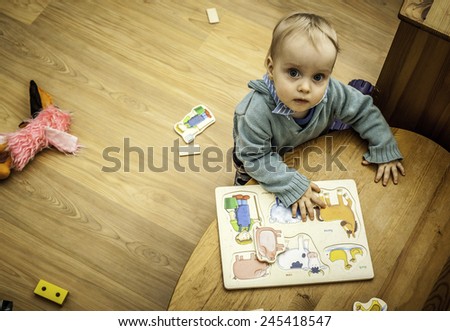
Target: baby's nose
303,86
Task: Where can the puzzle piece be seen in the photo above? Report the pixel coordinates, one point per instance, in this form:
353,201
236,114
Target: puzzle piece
194,123
374,304
51,292
269,242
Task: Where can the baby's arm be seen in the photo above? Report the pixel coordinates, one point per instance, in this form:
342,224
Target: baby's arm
306,203
386,170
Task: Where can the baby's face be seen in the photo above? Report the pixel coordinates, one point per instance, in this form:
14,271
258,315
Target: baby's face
301,72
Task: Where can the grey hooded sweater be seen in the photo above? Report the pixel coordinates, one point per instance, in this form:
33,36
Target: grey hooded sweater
261,136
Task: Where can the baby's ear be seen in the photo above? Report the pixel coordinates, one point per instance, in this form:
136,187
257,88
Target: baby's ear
269,67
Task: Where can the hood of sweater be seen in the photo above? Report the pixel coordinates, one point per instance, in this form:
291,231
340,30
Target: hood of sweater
259,86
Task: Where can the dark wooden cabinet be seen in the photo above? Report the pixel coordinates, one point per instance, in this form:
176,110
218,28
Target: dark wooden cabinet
413,90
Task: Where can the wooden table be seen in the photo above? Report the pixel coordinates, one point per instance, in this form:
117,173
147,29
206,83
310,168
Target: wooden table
407,227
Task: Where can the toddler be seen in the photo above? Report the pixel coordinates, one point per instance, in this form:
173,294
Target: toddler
298,100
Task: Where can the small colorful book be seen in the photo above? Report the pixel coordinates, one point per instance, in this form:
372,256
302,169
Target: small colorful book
262,245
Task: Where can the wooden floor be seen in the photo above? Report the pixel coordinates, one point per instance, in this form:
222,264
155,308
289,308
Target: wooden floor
128,70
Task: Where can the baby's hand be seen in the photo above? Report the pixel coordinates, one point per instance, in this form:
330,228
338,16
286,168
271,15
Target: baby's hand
306,203
386,170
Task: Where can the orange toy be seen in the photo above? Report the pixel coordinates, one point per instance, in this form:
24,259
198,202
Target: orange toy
5,159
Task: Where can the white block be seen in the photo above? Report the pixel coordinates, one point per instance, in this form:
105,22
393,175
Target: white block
213,17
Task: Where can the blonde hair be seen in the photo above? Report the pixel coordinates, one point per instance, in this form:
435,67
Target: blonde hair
313,25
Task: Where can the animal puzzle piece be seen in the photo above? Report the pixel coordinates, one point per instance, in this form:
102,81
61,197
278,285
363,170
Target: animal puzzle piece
269,243
355,251
374,304
341,254
340,212
301,257
249,268
280,214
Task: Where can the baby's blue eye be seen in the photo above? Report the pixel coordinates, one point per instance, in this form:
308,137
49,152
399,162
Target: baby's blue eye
294,73
318,77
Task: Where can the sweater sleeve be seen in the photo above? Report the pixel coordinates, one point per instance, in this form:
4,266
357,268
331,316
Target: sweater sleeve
359,111
253,147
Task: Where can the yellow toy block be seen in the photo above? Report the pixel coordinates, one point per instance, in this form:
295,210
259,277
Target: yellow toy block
50,291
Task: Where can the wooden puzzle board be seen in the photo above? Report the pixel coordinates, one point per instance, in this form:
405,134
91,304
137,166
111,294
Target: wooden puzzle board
263,246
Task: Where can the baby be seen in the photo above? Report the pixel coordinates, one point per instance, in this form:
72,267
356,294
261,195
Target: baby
296,101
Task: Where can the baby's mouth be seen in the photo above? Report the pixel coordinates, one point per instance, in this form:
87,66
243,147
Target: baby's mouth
301,101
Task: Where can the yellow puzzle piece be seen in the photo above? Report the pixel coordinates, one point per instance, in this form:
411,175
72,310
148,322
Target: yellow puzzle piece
340,254
51,292
374,304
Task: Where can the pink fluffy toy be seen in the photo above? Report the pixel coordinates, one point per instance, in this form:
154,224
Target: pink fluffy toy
48,128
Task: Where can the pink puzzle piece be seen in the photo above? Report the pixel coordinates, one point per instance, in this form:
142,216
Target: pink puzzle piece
269,243
250,268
